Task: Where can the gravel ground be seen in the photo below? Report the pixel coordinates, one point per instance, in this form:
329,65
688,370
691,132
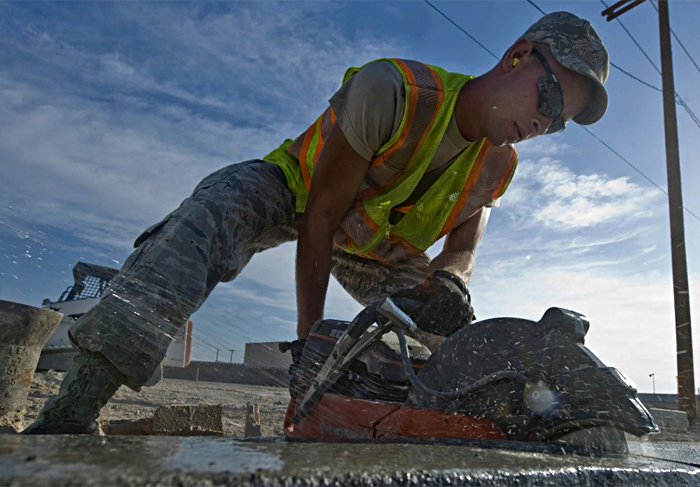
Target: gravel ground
129,405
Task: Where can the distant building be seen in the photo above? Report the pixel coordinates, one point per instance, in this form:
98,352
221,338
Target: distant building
265,355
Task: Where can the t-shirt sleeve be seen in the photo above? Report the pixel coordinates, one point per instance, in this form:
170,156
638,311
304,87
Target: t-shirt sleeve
369,107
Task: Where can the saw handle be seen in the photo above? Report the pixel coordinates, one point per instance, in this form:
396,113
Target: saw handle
366,318
333,367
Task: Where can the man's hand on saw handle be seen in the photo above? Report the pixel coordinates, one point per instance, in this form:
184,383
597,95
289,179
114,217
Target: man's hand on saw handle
441,305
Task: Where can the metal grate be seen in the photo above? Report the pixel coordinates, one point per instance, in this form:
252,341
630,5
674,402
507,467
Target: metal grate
94,288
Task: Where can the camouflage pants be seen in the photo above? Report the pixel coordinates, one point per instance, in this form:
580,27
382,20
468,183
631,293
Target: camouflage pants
232,214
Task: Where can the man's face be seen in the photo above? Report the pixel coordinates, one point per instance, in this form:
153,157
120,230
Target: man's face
515,115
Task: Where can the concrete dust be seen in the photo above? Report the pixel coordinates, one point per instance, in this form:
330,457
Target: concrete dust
130,406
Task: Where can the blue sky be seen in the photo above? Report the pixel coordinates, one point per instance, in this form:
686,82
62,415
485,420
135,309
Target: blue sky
111,112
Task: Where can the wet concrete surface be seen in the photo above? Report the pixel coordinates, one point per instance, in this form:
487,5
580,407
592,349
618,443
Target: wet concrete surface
686,453
185,461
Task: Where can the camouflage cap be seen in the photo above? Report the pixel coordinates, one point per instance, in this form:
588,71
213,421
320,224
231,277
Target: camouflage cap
576,46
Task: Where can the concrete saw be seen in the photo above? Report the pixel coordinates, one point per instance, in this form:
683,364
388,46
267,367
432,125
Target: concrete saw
498,379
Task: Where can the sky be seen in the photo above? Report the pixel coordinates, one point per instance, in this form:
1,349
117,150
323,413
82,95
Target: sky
110,113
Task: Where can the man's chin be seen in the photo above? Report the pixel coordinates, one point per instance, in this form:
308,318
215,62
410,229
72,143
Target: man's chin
498,140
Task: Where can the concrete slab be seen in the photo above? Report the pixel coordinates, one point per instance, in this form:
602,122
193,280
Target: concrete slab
198,420
185,461
687,453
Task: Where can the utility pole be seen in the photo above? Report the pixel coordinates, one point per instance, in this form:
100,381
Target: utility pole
653,383
231,359
681,295
217,355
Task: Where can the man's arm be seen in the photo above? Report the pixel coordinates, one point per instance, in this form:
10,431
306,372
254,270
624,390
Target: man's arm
459,252
335,183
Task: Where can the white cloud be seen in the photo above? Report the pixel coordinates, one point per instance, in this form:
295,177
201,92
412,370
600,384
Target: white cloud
552,145
544,191
104,167
261,60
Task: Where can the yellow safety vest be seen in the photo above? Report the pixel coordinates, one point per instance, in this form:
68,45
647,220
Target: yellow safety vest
479,174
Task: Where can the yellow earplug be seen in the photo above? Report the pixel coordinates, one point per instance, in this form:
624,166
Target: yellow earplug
516,61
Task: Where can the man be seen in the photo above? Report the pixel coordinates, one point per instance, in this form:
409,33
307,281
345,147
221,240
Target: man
405,154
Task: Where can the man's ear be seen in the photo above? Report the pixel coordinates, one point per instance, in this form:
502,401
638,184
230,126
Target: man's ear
516,53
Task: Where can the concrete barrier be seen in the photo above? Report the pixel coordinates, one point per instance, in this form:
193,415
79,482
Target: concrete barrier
668,419
23,332
663,401
231,373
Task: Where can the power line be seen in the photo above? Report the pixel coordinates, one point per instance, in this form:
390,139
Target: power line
679,41
612,64
214,347
633,167
204,342
635,78
635,41
679,100
682,103
538,8
463,31
586,129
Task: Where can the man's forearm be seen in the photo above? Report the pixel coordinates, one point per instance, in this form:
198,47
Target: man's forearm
459,252
458,263
336,180
313,271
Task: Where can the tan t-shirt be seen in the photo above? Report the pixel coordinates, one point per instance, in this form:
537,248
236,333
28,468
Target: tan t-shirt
369,108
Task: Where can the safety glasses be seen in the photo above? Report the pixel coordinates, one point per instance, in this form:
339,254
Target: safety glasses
550,101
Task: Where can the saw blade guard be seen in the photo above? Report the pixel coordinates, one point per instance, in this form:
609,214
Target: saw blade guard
569,388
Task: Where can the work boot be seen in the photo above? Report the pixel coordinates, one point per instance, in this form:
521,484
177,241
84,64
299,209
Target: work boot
89,384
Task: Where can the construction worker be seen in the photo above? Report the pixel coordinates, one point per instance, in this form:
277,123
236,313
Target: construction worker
405,154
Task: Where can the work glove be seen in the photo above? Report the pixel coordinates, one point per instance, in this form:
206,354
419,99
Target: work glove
440,305
296,384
